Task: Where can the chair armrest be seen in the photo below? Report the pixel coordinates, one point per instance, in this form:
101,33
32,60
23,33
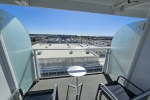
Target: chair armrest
55,93
146,93
129,82
108,92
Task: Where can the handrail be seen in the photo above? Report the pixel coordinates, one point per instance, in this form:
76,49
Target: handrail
37,70
79,48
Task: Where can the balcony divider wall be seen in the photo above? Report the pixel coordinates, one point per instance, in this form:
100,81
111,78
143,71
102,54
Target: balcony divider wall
123,47
18,49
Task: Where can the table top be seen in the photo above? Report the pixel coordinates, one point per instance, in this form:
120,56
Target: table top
76,71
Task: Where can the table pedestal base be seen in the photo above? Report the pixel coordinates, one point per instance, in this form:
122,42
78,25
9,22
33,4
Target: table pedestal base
76,71
78,94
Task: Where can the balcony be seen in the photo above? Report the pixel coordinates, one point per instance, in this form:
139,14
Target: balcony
51,69
22,65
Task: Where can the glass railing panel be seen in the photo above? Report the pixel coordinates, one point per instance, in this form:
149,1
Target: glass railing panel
123,48
53,63
17,45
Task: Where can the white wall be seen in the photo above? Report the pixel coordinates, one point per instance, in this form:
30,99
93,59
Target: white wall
141,72
5,92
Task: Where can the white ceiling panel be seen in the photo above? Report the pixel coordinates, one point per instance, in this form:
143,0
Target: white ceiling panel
145,7
102,2
113,7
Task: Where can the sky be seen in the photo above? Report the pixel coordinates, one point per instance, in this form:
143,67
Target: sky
55,21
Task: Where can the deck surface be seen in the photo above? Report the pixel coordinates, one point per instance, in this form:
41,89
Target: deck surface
90,85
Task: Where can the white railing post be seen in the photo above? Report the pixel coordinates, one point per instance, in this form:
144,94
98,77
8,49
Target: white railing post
36,66
105,67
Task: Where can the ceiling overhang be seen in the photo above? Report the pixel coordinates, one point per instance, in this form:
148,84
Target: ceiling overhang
132,8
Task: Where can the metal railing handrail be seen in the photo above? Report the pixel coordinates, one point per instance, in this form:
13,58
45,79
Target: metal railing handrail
80,48
37,70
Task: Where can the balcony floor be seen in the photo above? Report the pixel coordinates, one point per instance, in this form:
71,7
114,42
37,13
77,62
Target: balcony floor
90,85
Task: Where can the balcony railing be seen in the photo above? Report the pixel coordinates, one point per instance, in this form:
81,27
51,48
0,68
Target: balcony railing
55,62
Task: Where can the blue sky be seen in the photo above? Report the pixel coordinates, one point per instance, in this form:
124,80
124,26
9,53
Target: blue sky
55,21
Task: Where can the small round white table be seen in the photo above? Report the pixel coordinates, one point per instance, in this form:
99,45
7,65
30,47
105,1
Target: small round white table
76,71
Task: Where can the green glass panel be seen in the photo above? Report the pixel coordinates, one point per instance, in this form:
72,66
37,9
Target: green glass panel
18,47
123,48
